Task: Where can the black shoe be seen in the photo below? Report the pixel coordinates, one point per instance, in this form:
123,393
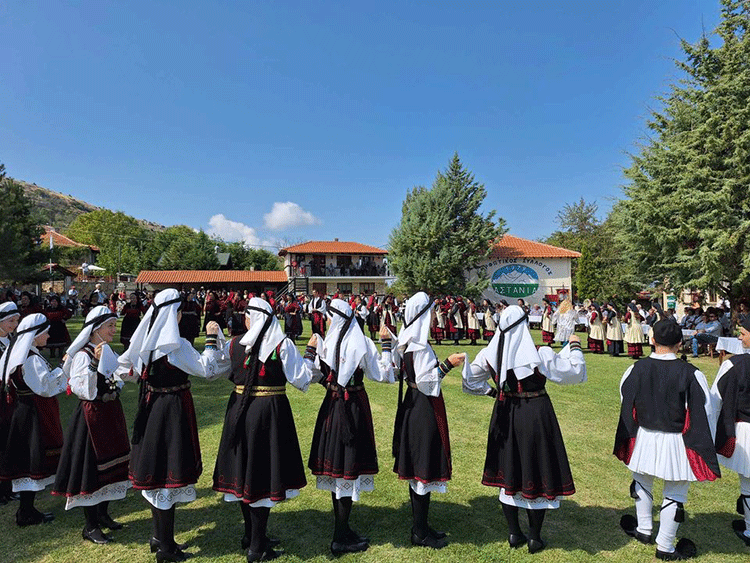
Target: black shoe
107,521
339,548
629,525
535,546
739,528
354,537
154,545
685,549
270,542
175,554
33,518
265,555
96,536
516,540
435,534
428,541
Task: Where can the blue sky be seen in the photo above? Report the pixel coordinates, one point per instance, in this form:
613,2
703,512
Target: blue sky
289,121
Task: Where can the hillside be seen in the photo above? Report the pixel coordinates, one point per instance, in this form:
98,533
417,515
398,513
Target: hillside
59,210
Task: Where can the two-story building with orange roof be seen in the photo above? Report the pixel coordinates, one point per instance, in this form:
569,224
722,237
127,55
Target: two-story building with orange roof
337,266
524,269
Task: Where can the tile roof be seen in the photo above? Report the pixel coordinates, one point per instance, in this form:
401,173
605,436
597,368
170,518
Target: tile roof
211,276
59,239
512,247
331,247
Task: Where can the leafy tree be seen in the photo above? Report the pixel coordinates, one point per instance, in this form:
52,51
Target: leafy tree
686,215
119,237
442,234
21,257
588,275
244,257
182,248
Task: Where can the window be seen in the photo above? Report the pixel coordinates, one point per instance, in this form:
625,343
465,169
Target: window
367,288
344,288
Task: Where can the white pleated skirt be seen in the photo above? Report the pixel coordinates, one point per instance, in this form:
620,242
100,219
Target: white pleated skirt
662,455
740,460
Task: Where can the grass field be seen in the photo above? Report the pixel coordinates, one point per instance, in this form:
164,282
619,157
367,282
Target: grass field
585,528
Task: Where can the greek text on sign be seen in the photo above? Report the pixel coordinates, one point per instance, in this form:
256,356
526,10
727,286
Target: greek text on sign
515,281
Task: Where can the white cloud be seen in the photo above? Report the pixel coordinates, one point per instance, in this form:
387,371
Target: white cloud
288,214
234,231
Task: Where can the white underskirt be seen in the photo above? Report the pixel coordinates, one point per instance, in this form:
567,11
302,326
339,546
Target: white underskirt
431,487
539,503
740,460
164,499
264,502
25,484
113,491
661,454
347,487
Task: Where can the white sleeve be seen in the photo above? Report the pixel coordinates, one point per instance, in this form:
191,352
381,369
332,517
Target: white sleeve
298,372
624,377
566,368
716,399
82,378
206,365
426,372
708,402
476,375
42,381
377,367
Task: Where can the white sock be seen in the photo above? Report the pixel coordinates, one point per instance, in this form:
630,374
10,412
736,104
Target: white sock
667,526
644,504
745,490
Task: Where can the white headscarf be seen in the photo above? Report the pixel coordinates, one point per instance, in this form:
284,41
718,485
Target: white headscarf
28,329
158,332
259,312
350,341
8,310
96,318
513,343
415,333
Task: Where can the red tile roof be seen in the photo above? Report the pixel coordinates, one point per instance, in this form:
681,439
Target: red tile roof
331,247
512,247
59,239
210,276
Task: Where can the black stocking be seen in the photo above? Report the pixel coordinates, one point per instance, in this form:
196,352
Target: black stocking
103,508
536,519
511,515
259,519
164,524
92,520
342,508
27,503
248,519
420,507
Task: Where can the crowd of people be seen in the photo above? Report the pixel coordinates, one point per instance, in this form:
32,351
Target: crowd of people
671,427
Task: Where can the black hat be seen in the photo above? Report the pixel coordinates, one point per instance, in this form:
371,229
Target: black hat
745,323
667,332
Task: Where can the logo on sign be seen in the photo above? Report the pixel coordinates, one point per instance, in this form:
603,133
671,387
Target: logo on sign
515,280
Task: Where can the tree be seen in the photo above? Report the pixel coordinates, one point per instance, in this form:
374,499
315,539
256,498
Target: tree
120,238
442,234
686,215
244,258
21,256
182,248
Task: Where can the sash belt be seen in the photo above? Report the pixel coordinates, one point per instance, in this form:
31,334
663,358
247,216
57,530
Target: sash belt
174,389
261,390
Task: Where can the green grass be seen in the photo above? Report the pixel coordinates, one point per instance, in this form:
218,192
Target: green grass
585,528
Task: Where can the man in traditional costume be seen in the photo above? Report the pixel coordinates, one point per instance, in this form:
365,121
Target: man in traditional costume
526,456
731,395
664,433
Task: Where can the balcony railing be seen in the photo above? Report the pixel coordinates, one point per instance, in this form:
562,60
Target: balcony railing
313,270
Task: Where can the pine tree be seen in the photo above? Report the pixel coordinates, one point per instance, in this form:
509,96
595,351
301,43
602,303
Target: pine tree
443,234
686,216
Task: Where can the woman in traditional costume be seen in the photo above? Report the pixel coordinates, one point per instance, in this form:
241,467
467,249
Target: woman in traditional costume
472,322
614,331
59,337
342,455
34,437
9,317
634,335
526,456
565,319
93,467
259,462
131,316
596,329
421,443
165,461
490,326
548,332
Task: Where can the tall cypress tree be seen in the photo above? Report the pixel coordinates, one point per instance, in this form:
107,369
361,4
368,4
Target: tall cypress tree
443,234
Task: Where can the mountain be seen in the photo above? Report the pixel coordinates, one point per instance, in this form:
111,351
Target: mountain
59,210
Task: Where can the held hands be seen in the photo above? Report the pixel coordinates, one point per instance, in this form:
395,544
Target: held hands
456,359
212,328
385,334
313,341
97,351
574,338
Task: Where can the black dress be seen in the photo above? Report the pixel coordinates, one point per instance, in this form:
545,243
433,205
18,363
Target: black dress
421,443
166,452
343,444
259,454
525,449
96,449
